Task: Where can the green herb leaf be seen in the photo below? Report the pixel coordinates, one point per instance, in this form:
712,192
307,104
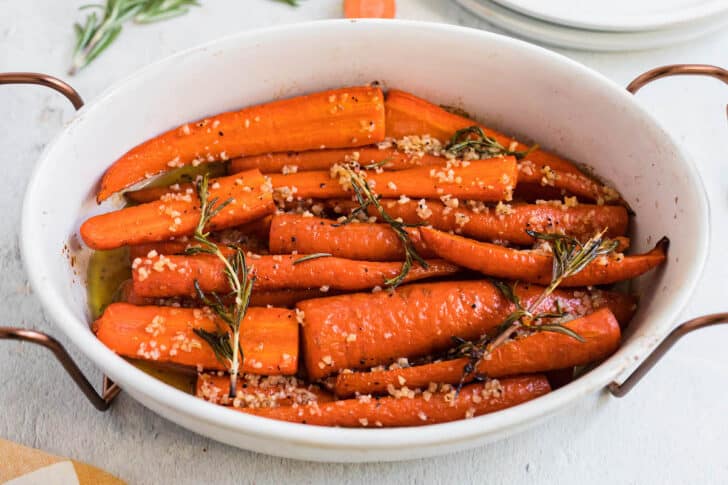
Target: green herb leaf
309,257
94,36
366,198
474,139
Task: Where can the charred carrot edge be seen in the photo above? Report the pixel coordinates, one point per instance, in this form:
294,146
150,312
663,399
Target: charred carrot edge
487,180
337,118
308,235
507,223
168,276
375,9
363,330
541,352
501,262
176,215
406,114
269,337
390,158
258,391
438,407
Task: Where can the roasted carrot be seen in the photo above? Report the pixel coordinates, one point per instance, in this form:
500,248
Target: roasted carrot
505,223
364,241
256,391
535,267
165,276
438,407
539,180
283,298
540,352
269,336
375,9
250,237
176,215
389,158
406,114
338,118
362,330
488,180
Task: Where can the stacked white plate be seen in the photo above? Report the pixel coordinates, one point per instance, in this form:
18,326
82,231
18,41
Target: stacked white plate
611,25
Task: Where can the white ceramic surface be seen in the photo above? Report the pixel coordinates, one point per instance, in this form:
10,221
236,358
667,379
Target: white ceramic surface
574,38
435,61
619,15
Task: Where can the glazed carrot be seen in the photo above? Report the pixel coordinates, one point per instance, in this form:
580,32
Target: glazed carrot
177,215
246,239
389,158
438,407
362,330
338,118
540,352
165,276
376,9
539,180
269,336
535,267
369,242
255,391
508,223
283,298
488,180
406,114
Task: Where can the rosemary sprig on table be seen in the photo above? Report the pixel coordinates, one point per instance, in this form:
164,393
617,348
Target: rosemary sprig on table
225,343
292,3
99,31
473,138
367,198
570,257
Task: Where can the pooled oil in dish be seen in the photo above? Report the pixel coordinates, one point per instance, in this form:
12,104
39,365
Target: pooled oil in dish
108,271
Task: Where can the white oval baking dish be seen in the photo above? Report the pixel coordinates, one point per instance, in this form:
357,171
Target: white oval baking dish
516,87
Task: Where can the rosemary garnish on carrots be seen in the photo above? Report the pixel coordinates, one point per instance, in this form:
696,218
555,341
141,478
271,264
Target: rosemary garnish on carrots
366,198
225,343
474,139
309,257
570,257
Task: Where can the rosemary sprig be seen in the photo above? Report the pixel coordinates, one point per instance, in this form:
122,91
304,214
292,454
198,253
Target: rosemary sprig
570,257
311,256
366,198
101,28
226,342
474,139
292,3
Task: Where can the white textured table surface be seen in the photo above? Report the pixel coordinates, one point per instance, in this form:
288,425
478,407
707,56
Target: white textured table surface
673,428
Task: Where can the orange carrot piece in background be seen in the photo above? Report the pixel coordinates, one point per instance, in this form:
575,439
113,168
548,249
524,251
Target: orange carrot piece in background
166,276
256,391
364,241
540,352
510,224
337,118
362,330
390,159
487,180
374,9
535,267
282,298
406,114
439,407
177,215
269,336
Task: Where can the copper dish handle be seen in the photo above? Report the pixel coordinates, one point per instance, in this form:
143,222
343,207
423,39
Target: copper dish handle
620,390
109,389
